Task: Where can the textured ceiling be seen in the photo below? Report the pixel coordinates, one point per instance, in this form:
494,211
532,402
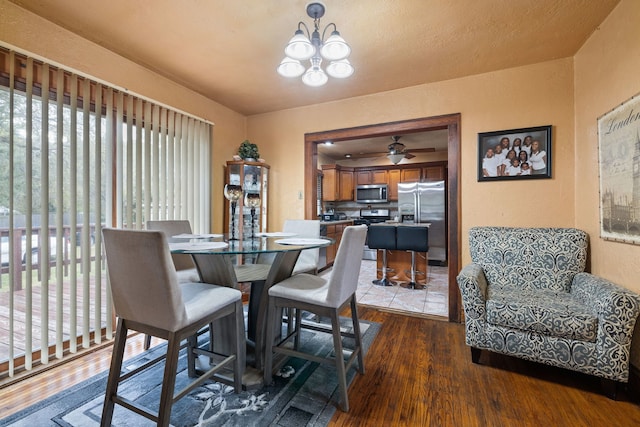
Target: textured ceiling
228,50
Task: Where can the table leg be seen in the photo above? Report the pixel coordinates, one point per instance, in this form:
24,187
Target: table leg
281,269
218,270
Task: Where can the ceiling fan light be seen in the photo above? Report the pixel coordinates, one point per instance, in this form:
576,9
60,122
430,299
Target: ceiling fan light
290,67
335,48
395,158
300,47
340,69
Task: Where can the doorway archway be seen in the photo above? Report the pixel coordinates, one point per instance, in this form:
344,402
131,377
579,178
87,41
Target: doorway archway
450,122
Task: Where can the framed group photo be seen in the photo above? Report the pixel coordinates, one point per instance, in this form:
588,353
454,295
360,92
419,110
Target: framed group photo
515,154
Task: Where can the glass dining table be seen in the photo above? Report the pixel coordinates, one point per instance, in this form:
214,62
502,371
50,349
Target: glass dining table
262,261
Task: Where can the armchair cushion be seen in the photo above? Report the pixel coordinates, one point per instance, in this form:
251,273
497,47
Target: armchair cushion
556,314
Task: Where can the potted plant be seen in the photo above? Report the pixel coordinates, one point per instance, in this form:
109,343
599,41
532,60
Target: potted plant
248,151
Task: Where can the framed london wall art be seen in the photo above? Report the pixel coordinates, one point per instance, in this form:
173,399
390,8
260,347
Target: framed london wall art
515,154
619,160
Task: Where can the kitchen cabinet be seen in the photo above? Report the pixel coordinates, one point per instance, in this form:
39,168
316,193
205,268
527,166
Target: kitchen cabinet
433,173
334,231
364,177
411,174
393,179
337,183
253,177
346,185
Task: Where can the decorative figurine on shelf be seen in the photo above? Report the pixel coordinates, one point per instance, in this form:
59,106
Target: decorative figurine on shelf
233,193
252,200
248,151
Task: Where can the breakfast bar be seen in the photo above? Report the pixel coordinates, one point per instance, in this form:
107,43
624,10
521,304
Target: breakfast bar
399,260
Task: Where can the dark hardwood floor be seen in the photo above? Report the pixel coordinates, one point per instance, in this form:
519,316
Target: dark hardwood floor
418,373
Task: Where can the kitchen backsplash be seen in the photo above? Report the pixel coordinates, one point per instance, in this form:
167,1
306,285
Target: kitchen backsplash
352,209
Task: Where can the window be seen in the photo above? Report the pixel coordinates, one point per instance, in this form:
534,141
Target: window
77,155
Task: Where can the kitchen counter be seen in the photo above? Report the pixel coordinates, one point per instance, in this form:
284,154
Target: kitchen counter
404,224
336,222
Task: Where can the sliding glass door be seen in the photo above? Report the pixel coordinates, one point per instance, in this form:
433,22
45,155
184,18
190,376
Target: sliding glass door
75,156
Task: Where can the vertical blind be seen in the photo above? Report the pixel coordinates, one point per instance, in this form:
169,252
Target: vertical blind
77,155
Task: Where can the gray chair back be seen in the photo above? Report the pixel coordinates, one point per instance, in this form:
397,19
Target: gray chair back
346,267
309,228
144,287
171,228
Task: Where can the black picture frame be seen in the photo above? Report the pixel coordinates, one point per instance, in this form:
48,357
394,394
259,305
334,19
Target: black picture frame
509,170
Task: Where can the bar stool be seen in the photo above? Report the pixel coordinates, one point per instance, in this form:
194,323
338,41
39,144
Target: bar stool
413,239
382,237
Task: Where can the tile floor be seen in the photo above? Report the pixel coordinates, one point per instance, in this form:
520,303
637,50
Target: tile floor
432,301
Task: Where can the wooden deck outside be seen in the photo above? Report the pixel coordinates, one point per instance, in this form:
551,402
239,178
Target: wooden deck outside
20,314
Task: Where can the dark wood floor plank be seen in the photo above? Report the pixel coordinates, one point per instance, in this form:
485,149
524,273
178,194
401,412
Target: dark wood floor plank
418,373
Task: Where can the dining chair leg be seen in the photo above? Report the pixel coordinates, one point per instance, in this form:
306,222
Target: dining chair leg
356,333
168,381
339,359
147,342
298,326
114,373
240,341
192,343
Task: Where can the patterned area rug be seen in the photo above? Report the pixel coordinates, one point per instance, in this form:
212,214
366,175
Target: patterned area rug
303,394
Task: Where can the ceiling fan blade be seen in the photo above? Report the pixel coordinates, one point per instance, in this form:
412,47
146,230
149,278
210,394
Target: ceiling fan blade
368,155
408,156
421,150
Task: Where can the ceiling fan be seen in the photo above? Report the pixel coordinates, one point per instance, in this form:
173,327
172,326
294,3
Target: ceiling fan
396,151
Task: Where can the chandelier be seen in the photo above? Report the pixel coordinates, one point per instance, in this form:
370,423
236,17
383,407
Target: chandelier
312,47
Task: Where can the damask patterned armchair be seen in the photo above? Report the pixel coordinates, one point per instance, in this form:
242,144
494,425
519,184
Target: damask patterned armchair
526,294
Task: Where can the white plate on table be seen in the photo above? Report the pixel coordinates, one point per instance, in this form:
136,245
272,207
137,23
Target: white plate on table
198,246
301,241
276,234
196,236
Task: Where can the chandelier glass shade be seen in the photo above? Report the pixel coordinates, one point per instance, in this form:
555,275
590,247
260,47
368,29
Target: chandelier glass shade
311,46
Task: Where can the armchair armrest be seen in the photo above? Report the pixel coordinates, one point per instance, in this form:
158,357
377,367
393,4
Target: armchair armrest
610,302
617,310
473,288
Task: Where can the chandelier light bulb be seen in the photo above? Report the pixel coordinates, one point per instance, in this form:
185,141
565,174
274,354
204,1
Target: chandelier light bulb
340,69
315,77
300,47
335,48
290,67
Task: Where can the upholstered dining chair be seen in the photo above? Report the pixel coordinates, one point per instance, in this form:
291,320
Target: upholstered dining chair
185,267
324,298
305,228
148,298
307,261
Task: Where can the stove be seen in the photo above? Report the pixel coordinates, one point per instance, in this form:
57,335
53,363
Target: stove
368,217
372,216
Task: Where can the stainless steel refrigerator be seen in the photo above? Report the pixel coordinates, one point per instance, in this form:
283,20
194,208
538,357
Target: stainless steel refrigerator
420,202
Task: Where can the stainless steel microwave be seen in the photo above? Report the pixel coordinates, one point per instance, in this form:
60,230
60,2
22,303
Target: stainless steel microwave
371,193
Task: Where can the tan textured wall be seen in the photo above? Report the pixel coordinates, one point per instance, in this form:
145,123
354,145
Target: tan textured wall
35,35
606,74
535,95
